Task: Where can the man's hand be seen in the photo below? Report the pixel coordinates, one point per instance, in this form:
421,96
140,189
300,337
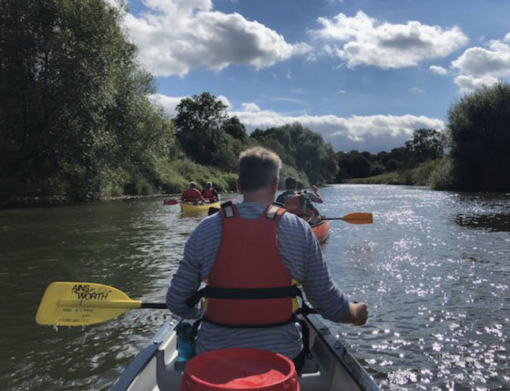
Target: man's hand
358,314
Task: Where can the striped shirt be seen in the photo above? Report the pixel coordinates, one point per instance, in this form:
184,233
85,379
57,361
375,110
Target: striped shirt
300,252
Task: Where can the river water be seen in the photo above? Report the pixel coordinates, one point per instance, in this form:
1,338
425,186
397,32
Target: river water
434,268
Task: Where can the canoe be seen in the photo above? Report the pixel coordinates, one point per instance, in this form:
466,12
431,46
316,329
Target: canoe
331,368
321,230
190,209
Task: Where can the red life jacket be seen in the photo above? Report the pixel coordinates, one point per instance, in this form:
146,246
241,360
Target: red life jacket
248,264
190,195
293,205
208,195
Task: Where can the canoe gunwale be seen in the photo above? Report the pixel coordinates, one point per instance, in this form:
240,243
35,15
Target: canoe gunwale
192,209
142,359
345,358
321,230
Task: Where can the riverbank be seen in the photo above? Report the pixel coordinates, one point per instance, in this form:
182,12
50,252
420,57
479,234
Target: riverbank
418,176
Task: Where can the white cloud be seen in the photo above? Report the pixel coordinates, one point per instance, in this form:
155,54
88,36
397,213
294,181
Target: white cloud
417,90
438,70
224,100
483,66
478,61
176,36
468,84
169,103
366,41
373,133
250,107
117,4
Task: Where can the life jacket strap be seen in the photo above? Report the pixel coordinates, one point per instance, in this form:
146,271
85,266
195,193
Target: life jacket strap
275,210
244,294
292,319
228,209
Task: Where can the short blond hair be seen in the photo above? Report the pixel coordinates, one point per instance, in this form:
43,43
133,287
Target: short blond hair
258,168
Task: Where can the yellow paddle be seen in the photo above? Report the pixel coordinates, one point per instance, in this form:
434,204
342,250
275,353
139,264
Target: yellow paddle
354,218
84,303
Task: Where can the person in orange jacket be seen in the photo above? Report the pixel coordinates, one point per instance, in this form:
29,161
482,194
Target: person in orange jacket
243,253
210,193
192,195
298,203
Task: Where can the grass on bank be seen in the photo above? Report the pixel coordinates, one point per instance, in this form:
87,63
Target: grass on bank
418,176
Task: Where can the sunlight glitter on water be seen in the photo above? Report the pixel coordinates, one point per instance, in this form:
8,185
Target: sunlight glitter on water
434,268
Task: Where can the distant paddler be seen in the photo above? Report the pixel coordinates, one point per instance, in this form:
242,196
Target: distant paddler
313,195
298,203
192,195
210,193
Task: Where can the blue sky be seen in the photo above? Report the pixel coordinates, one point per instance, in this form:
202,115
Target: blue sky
363,73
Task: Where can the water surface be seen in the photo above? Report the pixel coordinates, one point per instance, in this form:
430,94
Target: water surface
434,268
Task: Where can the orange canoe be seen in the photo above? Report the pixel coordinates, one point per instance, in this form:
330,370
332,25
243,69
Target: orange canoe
321,230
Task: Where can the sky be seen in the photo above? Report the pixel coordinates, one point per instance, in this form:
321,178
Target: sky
363,73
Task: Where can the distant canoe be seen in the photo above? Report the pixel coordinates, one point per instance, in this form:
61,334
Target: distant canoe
321,230
190,209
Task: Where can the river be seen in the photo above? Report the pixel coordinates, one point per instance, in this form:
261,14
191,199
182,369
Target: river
434,268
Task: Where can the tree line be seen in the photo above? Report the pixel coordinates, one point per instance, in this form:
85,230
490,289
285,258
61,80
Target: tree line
77,123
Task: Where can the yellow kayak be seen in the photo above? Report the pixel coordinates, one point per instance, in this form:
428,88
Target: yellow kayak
189,209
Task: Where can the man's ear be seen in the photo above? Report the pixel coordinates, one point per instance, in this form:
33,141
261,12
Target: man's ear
275,185
238,185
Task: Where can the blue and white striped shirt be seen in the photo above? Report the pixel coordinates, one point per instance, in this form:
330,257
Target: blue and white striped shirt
300,252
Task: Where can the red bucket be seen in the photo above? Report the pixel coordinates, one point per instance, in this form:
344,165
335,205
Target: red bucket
239,369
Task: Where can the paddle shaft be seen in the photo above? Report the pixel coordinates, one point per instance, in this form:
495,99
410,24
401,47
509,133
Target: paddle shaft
354,218
158,306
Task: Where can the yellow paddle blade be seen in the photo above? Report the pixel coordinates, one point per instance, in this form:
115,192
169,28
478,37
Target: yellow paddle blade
359,218
81,304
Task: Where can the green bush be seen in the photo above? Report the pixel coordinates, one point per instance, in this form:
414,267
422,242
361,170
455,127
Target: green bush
422,173
443,177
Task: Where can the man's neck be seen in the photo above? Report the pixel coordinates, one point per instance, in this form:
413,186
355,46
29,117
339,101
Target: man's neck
259,198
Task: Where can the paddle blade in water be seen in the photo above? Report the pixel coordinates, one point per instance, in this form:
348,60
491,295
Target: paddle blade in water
81,304
171,201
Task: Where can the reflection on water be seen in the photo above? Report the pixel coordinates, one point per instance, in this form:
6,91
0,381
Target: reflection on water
493,223
438,290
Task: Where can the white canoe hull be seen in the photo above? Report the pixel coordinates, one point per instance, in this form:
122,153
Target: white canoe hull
332,367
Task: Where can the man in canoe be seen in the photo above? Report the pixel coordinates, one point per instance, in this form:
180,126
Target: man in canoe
298,203
210,193
313,195
251,256
192,195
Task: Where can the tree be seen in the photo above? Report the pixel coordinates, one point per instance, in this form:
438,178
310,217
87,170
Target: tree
480,140
352,165
302,149
200,123
426,144
235,128
74,111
